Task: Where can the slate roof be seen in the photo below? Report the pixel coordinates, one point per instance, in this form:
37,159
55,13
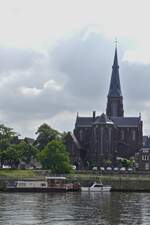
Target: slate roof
84,121
144,150
119,121
103,119
115,87
126,121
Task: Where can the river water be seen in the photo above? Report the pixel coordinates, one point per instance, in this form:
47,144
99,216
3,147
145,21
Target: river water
75,208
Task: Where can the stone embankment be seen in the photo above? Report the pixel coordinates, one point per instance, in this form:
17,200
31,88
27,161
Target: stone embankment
119,182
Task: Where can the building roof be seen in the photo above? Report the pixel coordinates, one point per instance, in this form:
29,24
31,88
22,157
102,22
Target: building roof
146,141
115,87
126,121
144,150
84,121
119,121
103,119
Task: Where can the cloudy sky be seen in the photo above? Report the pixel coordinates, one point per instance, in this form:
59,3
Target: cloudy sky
56,59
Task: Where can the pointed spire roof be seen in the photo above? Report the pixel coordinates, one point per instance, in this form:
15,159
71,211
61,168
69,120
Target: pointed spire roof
115,88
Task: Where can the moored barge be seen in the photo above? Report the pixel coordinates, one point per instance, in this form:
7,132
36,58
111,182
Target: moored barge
49,185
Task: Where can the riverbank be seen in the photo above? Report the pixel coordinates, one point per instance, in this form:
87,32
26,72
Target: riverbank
17,174
119,182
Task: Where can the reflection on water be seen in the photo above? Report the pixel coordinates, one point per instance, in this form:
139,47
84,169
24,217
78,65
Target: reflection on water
74,208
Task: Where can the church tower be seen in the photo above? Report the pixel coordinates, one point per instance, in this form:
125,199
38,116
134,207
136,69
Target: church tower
114,98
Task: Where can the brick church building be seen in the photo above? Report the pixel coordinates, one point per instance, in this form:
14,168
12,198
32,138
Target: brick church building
99,138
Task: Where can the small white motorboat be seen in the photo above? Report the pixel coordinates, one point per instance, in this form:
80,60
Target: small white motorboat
97,187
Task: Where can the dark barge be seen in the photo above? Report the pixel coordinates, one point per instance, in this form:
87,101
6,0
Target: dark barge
50,184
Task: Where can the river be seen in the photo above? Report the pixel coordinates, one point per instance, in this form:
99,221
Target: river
75,208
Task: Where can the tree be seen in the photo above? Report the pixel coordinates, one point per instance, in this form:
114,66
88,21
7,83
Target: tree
55,157
6,136
15,153
45,135
64,136
26,151
12,155
127,163
108,162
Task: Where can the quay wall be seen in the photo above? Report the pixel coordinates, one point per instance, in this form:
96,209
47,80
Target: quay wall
118,182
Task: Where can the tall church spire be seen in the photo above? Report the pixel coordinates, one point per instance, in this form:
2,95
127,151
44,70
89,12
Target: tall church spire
115,99
115,88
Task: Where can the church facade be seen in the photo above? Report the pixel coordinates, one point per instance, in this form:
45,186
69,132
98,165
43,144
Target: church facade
101,138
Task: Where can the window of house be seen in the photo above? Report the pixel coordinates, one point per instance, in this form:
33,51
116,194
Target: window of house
146,166
145,157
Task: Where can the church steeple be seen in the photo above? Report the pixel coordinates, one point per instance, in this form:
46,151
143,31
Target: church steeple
115,88
114,98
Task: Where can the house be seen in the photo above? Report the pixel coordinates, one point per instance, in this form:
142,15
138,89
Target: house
142,159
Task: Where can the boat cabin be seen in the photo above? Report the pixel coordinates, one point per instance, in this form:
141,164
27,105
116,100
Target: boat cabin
56,182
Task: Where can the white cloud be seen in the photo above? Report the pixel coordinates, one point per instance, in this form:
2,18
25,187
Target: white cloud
52,84
30,91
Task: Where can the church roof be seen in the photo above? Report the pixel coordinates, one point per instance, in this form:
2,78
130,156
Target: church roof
103,119
126,121
84,121
119,121
115,87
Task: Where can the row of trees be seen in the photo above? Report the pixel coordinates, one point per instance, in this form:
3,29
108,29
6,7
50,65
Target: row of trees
48,149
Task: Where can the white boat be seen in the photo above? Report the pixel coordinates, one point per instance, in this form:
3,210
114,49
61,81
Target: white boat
97,187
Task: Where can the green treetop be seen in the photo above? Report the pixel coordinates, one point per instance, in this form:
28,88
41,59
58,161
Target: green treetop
55,157
45,134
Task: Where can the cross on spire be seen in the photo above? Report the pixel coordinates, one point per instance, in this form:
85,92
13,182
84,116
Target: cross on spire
116,42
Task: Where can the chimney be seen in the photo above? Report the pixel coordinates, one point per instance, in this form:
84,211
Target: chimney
94,114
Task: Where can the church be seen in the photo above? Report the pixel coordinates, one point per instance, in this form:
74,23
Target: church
100,138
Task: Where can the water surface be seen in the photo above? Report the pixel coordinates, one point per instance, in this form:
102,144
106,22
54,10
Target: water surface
75,208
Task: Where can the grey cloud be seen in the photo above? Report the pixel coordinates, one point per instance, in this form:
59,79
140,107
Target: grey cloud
73,76
86,64
15,58
136,79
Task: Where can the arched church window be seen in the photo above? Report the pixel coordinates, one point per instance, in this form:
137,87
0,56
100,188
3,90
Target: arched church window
81,134
101,139
95,131
122,135
133,135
